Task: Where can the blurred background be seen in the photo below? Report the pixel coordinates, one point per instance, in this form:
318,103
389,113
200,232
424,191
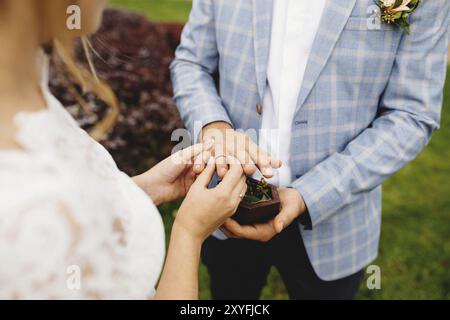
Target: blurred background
134,49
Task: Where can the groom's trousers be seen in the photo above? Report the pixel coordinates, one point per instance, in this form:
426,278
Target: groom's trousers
239,269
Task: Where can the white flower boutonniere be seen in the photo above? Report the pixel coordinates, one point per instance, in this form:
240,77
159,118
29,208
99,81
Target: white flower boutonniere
398,12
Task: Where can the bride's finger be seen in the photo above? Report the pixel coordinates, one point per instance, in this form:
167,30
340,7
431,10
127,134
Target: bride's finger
186,156
234,176
240,190
200,161
204,178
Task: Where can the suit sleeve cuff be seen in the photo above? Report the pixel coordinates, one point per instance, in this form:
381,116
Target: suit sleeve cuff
305,220
319,195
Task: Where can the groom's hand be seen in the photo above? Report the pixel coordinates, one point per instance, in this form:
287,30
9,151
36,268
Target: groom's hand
238,145
292,206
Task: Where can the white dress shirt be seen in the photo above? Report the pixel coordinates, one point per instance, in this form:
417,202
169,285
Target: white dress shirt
294,27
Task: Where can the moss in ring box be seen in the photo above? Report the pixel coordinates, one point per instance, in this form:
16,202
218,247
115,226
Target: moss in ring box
260,204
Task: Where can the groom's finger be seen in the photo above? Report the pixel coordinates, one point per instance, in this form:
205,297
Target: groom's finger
261,158
284,219
287,214
259,232
241,153
221,160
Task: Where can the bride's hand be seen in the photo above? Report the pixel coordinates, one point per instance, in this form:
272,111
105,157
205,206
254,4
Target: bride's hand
203,209
171,179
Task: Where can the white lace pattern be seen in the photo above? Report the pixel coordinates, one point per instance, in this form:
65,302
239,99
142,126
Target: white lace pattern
72,226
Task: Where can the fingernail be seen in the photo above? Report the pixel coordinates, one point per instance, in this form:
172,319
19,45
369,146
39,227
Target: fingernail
208,144
281,226
268,172
277,164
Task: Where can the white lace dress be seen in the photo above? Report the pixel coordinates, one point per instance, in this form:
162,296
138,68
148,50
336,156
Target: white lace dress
72,226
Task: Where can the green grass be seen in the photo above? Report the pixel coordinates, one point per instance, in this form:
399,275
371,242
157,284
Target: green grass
415,242
158,10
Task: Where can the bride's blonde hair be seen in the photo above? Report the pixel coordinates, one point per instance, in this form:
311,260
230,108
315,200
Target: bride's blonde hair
50,19
89,82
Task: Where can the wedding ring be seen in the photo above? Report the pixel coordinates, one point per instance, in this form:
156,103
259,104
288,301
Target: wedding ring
220,156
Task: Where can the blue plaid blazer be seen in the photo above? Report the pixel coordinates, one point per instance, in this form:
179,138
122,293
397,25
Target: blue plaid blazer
370,101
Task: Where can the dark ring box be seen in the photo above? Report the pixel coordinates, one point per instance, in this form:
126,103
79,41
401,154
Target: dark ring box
257,213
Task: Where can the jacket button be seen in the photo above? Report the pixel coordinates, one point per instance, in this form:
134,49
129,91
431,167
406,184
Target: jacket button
259,108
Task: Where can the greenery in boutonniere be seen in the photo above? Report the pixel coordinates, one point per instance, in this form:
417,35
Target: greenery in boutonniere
257,192
397,12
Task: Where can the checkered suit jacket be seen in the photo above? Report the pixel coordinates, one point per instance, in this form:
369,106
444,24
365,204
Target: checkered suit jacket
370,101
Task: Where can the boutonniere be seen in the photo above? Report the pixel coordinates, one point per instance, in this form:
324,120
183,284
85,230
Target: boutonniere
398,12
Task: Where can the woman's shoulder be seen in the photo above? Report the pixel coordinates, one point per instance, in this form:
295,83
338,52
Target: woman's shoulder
22,170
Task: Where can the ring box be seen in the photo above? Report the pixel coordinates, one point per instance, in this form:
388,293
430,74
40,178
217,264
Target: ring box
260,212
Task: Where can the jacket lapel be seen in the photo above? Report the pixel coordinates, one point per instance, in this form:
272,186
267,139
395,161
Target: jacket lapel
334,19
262,28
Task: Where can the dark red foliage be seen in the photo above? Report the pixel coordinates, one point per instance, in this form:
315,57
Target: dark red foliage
134,59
